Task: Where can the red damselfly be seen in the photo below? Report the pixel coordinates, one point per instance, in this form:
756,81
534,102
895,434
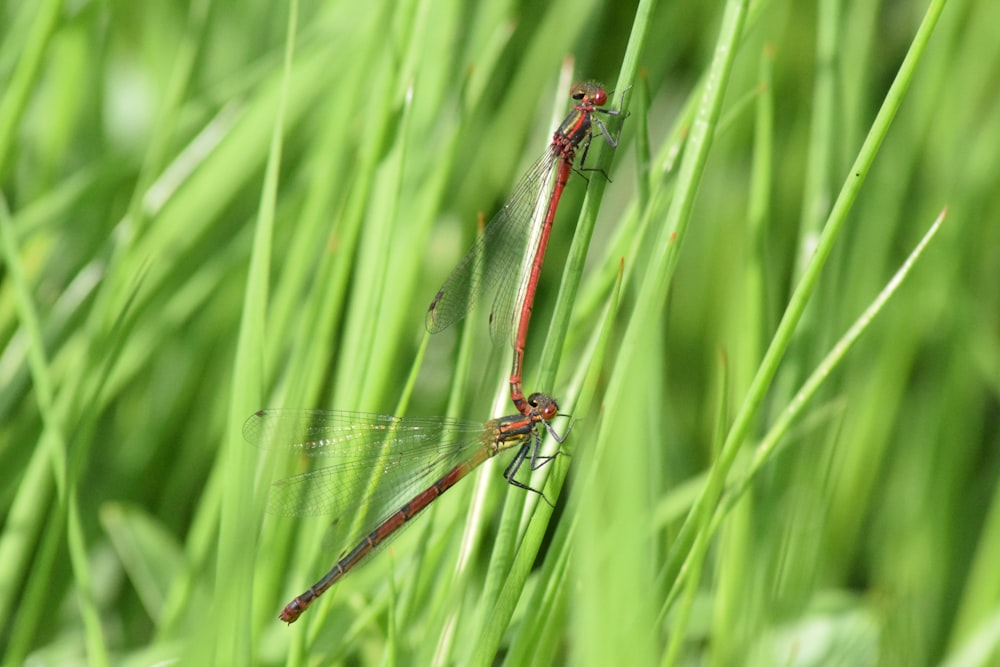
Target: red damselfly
506,260
386,470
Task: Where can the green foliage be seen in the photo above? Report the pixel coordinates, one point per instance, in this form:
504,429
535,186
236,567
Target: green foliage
784,433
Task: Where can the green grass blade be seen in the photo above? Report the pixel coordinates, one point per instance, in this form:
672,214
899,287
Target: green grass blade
804,290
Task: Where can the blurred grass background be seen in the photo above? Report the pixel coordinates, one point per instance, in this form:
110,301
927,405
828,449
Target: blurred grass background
172,263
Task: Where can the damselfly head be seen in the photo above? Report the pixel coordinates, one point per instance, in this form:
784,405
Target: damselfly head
590,93
543,406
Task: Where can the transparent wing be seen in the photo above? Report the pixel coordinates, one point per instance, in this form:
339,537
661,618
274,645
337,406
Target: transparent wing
377,462
496,263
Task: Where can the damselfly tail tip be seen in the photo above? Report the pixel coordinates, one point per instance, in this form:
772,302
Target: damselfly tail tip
291,612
